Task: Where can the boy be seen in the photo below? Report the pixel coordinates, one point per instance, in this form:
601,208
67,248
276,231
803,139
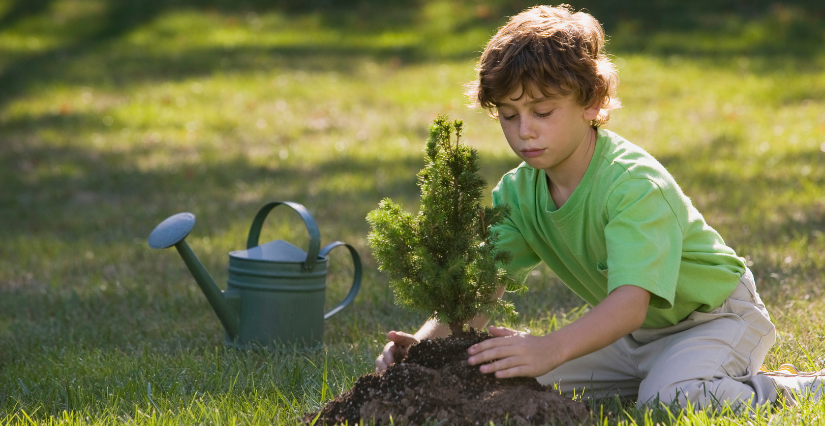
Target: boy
676,316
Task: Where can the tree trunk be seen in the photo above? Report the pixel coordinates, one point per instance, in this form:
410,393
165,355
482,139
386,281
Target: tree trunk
456,328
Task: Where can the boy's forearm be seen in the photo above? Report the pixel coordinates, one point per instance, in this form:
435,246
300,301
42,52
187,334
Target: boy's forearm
621,313
432,329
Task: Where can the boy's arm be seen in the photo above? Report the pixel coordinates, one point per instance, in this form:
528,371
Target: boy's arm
399,342
522,354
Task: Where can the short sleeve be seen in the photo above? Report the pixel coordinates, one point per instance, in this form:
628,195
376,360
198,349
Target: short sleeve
644,241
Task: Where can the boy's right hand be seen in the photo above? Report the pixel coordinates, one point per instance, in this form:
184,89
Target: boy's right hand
394,350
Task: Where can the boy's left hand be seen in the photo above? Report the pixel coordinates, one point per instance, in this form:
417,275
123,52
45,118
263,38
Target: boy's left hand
517,354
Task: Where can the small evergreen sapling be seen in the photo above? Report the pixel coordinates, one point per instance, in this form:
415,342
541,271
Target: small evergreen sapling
443,262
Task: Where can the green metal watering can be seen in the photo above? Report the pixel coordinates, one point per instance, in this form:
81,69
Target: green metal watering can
275,295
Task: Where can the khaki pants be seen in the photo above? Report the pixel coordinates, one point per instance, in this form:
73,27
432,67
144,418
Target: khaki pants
709,359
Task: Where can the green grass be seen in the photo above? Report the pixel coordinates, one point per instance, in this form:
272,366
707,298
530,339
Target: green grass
115,115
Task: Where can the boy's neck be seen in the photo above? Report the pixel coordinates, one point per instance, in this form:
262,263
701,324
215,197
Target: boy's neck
563,179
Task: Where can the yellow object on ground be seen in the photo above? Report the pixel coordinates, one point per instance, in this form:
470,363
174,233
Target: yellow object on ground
790,368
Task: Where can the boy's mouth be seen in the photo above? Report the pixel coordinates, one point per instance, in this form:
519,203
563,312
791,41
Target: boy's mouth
532,152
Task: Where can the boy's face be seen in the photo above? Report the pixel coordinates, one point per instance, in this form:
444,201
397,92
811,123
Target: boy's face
545,131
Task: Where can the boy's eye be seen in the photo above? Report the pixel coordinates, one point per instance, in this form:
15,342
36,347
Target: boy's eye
543,114
509,117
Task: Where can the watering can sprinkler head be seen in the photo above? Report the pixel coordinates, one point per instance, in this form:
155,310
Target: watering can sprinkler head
172,230
275,292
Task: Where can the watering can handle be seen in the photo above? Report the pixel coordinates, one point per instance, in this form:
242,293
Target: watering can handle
312,227
356,280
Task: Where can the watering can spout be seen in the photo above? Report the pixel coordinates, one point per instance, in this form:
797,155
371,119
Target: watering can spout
173,232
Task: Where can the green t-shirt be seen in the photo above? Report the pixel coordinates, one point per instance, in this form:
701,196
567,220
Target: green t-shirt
627,222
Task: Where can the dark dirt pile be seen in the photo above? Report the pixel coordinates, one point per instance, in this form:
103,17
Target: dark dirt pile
435,382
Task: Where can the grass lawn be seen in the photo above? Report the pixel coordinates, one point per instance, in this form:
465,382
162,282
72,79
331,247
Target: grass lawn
117,114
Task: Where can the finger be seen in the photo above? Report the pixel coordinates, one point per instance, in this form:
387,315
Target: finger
502,364
380,364
401,338
518,371
493,354
387,354
488,344
501,331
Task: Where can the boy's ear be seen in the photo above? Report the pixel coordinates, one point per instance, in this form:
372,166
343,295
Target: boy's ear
592,111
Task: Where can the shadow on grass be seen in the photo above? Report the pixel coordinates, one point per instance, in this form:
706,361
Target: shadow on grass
764,26
137,67
22,9
121,17
705,28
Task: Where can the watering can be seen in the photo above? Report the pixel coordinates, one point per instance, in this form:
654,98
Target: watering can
275,295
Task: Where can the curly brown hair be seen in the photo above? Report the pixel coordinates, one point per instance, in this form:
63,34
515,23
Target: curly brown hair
553,49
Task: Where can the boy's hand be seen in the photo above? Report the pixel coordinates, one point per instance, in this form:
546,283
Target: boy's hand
517,353
395,350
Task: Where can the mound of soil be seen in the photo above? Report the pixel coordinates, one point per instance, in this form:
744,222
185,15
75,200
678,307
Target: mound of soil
435,382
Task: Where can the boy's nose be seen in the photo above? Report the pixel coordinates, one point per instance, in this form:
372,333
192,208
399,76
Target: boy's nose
526,130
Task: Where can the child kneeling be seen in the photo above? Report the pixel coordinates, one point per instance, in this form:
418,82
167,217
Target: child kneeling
675,313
